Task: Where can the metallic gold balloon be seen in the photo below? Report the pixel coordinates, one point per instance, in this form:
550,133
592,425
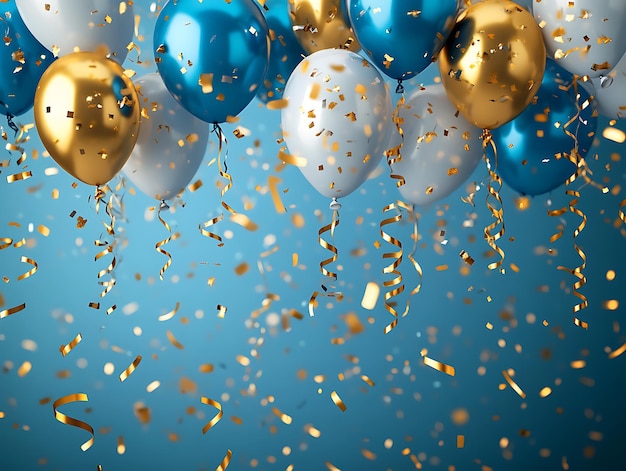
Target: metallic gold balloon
322,24
493,63
87,116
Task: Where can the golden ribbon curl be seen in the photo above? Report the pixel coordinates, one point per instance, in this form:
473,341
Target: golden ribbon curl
211,423
394,154
622,216
30,272
65,419
392,268
335,206
496,209
99,197
158,246
416,266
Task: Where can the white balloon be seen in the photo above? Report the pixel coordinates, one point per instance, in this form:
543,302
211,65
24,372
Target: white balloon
610,92
586,37
89,25
338,118
171,142
441,148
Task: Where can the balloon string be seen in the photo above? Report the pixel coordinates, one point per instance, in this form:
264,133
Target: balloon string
107,285
411,256
162,243
67,420
394,154
12,124
493,187
395,285
325,272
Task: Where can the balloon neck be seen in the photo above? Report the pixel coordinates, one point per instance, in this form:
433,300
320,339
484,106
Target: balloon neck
11,124
164,206
400,87
606,81
335,205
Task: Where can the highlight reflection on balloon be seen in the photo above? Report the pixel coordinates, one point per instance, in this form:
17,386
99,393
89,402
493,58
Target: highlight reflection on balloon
493,63
87,116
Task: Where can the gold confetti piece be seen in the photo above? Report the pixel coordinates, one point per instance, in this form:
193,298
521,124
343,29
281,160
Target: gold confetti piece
242,268
221,311
437,365
496,209
368,454
367,380
121,447
291,159
578,364
206,82
206,368
24,369
65,349
545,392
312,431
294,259
466,257
19,176
331,466
216,418
315,91
67,420
272,182
225,462
244,221
460,441
243,360
370,296
153,386
337,400
513,384
43,230
277,104
169,315
173,341
130,369
7,312
617,352
30,272
158,246
286,419
209,234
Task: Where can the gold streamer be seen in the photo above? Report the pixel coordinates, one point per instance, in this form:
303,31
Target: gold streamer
497,209
67,420
335,253
416,266
65,349
6,242
131,368
216,418
108,248
617,352
395,285
30,272
210,234
338,401
169,315
165,241
226,461
12,310
223,148
19,176
394,154
622,216
437,365
513,384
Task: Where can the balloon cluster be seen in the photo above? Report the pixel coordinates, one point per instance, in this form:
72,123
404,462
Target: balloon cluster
533,82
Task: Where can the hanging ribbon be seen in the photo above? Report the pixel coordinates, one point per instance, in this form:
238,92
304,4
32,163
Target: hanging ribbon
108,248
162,243
395,285
418,268
394,154
493,188
622,216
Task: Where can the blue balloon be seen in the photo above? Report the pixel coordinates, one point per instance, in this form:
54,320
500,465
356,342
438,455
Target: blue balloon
532,148
402,37
22,62
212,56
285,50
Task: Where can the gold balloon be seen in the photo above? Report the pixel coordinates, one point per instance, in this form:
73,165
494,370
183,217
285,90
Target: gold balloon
87,115
322,24
493,63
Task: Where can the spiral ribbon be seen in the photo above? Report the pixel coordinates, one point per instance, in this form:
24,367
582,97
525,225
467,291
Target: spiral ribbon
493,187
622,216
108,248
67,420
394,154
395,285
327,273
162,243
417,267
211,423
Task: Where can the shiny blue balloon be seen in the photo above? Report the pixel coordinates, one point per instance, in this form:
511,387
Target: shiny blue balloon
212,56
402,37
285,50
22,61
529,146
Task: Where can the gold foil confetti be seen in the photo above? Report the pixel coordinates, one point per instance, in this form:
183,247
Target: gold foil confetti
370,296
460,441
13,310
437,365
43,230
30,272
65,349
169,315
216,418
19,176
367,380
312,431
617,352
130,369
24,369
272,182
243,360
545,392
173,341
331,466
244,221
221,311
206,368
513,384
495,209
286,419
466,257
153,386
121,447
337,400
277,104
67,420
158,246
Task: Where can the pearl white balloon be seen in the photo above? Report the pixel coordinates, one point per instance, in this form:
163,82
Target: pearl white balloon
87,25
338,118
171,142
586,37
610,92
441,148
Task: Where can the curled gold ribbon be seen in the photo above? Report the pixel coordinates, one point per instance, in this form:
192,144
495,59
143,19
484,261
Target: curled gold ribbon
210,234
223,148
131,368
493,187
622,216
216,418
161,243
225,462
30,272
395,285
65,349
324,263
12,310
394,154
7,241
65,419
99,197
416,266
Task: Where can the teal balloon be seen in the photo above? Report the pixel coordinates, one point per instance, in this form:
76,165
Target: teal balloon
285,50
22,62
532,148
212,55
402,37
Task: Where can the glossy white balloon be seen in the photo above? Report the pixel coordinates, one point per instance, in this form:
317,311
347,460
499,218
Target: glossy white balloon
171,142
88,25
338,118
441,148
610,92
585,37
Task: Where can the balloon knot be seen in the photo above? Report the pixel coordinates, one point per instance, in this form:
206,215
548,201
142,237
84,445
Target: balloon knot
400,87
164,206
334,205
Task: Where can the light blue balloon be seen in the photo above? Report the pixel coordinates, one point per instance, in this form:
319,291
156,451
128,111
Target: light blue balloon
402,37
22,62
528,147
285,50
212,56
